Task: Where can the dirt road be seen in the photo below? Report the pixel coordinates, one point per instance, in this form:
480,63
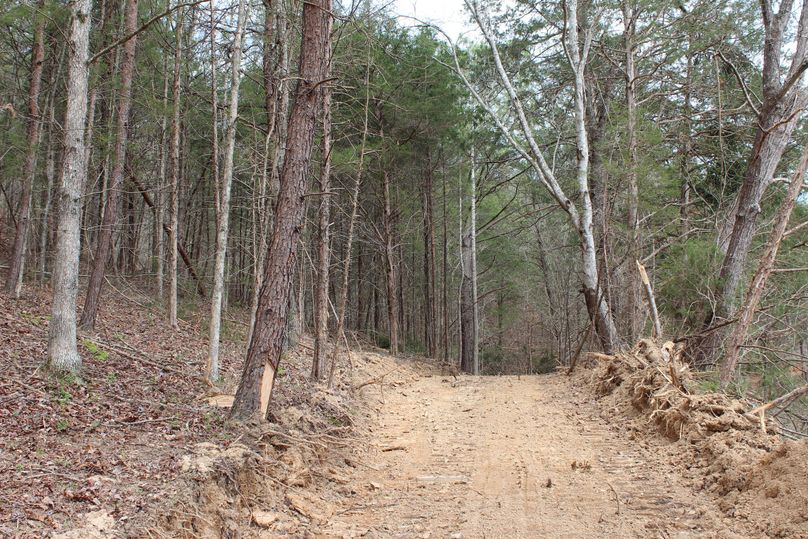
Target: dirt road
508,457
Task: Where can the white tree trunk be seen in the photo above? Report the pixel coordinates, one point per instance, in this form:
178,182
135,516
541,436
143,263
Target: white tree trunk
62,352
581,221
224,198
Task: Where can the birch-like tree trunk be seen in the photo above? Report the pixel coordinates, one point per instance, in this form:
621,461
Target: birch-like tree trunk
596,303
469,316
266,343
15,271
62,352
104,245
765,268
223,220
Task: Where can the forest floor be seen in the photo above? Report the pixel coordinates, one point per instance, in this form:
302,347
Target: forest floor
140,447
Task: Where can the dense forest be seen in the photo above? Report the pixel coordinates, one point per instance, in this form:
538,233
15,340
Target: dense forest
486,202
557,184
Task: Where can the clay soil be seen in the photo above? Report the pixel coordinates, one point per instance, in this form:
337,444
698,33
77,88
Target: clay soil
519,457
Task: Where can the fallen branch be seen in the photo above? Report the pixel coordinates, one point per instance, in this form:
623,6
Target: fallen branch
783,400
649,295
580,346
115,423
374,380
131,357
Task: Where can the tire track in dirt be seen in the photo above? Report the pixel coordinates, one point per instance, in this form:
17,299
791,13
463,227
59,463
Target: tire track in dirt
493,457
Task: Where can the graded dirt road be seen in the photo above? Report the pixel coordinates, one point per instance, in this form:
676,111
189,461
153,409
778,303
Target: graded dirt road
512,457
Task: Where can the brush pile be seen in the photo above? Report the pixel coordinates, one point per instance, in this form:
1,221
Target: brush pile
654,380
722,447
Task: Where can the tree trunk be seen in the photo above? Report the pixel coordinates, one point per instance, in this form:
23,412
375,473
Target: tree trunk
765,268
596,304
174,165
159,214
766,154
323,234
266,344
390,267
62,352
50,175
445,277
223,221
430,322
276,104
783,101
15,271
469,317
104,246
632,213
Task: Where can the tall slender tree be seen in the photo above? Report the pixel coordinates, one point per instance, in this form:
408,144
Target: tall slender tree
321,298
15,271
174,165
266,343
104,245
62,351
223,217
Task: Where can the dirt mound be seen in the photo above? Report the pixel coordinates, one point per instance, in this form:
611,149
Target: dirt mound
777,486
283,478
724,449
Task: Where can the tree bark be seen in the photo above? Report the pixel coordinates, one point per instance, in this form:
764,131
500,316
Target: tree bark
323,232
223,221
632,214
62,352
266,344
174,165
390,267
159,197
50,175
276,103
445,277
15,271
765,267
469,317
430,322
104,246
783,101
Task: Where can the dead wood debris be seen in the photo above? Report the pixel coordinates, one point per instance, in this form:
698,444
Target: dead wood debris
723,445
